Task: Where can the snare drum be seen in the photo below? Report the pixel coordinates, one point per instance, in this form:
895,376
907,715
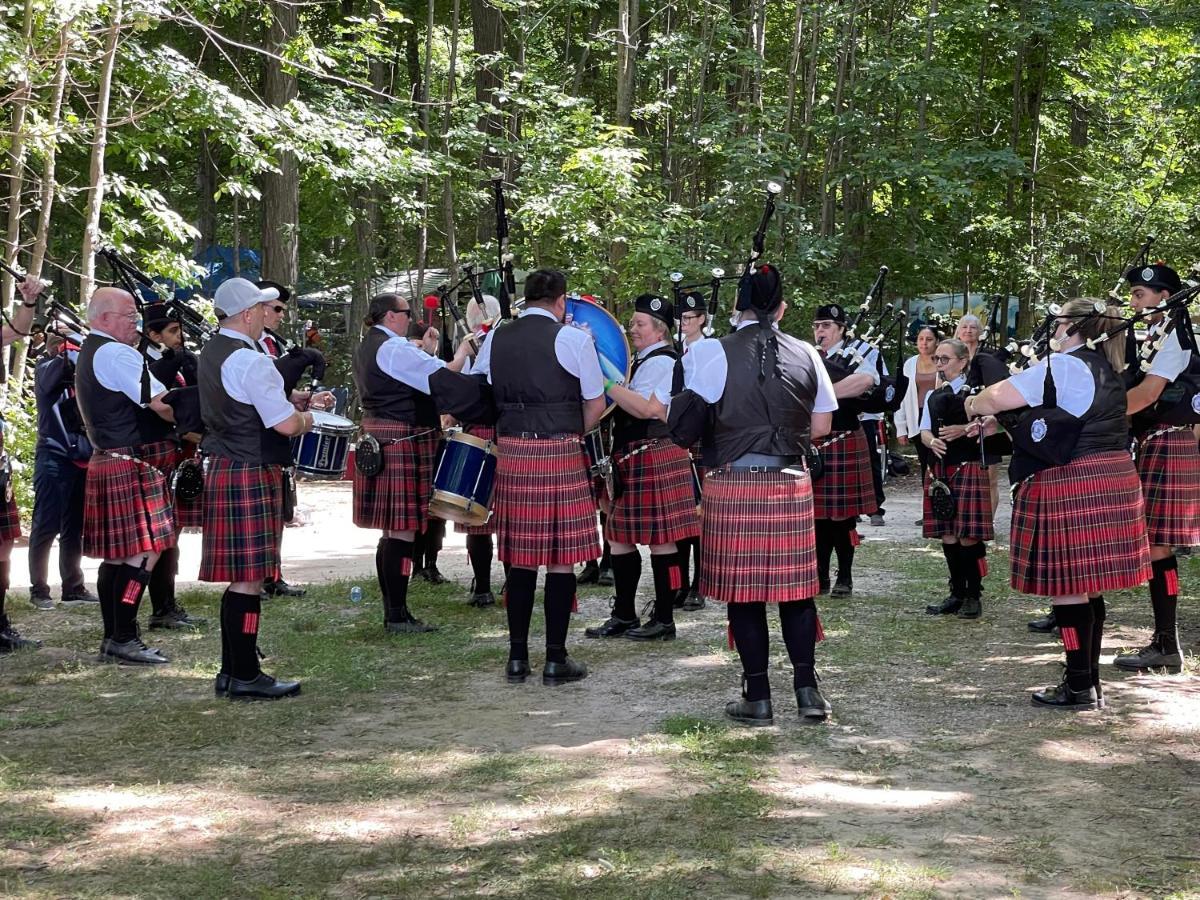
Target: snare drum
322,452
464,479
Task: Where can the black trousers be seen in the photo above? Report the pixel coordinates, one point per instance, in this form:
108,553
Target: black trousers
58,486
871,430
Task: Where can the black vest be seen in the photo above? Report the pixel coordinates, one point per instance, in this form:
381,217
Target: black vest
112,419
845,417
532,391
235,430
947,408
383,397
1104,425
628,429
772,416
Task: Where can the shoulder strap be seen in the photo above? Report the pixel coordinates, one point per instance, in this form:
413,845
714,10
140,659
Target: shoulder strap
1049,392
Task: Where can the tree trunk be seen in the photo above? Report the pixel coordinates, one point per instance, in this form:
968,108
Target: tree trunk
281,190
18,101
585,50
448,184
793,73
923,100
627,41
487,29
206,188
423,230
91,229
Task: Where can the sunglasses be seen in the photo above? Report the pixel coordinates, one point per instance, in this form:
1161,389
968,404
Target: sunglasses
278,310
405,310
942,360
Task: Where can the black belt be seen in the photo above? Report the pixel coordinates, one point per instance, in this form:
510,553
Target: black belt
762,462
542,436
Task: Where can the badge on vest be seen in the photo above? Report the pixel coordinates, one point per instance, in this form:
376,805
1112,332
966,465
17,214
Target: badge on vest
1037,431
1196,403
890,394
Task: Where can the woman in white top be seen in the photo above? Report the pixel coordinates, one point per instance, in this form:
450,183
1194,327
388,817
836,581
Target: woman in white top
921,372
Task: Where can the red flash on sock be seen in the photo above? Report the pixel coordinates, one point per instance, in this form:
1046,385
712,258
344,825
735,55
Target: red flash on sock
729,632
1070,638
406,566
820,631
575,604
855,539
250,623
983,570
676,577
1171,577
132,592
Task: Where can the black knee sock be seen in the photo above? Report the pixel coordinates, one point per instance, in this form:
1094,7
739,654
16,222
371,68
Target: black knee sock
627,572
519,607
668,579
560,597
683,550
1075,621
696,568
5,566
162,581
748,625
971,562
418,552
801,628
843,545
435,535
128,585
104,590
1099,614
479,552
1164,599
380,572
239,635
397,568
953,556
606,551
823,534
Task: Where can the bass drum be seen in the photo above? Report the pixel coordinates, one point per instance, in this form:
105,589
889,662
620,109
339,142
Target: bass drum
611,347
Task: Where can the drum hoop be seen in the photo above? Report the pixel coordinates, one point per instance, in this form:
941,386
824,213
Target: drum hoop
471,440
611,407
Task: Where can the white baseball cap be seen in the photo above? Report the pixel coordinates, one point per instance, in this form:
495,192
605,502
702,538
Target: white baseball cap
237,295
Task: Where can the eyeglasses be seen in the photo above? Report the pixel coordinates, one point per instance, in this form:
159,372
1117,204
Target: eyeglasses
403,309
691,316
278,310
942,360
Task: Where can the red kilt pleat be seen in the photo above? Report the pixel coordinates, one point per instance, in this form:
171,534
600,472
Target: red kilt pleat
757,541
1080,528
658,501
397,499
242,505
10,520
543,506
484,433
973,496
127,507
845,490
1169,467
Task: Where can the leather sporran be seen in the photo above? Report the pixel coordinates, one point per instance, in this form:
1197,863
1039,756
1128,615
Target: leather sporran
942,501
289,494
815,462
189,481
368,456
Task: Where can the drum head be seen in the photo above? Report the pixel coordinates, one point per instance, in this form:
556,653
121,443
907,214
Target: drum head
327,421
611,346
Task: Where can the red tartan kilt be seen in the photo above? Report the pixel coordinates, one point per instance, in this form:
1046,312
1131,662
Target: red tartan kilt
1080,528
242,507
10,521
845,490
543,506
973,498
1169,467
484,433
757,541
397,499
127,507
658,501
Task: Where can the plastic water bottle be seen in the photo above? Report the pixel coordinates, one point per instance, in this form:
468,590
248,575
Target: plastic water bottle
356,594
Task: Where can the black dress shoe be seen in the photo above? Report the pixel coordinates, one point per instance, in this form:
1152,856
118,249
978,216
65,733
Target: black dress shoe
281,588
812,704
517,671
1045,624
10,640
431,574
556,673
750,712
1155,655
221,684
589,574
843,587
482,599
79,598
1062,697
174,616
822,586
972,608
605,578
131,653
947,607
612,627
680,598
653,630
408,624
693,602
264,687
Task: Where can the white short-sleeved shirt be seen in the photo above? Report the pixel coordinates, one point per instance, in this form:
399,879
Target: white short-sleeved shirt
405,361
1073,382
249,376
1171,360
119,367
705,370
574,349
869,360
654,376
956,386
